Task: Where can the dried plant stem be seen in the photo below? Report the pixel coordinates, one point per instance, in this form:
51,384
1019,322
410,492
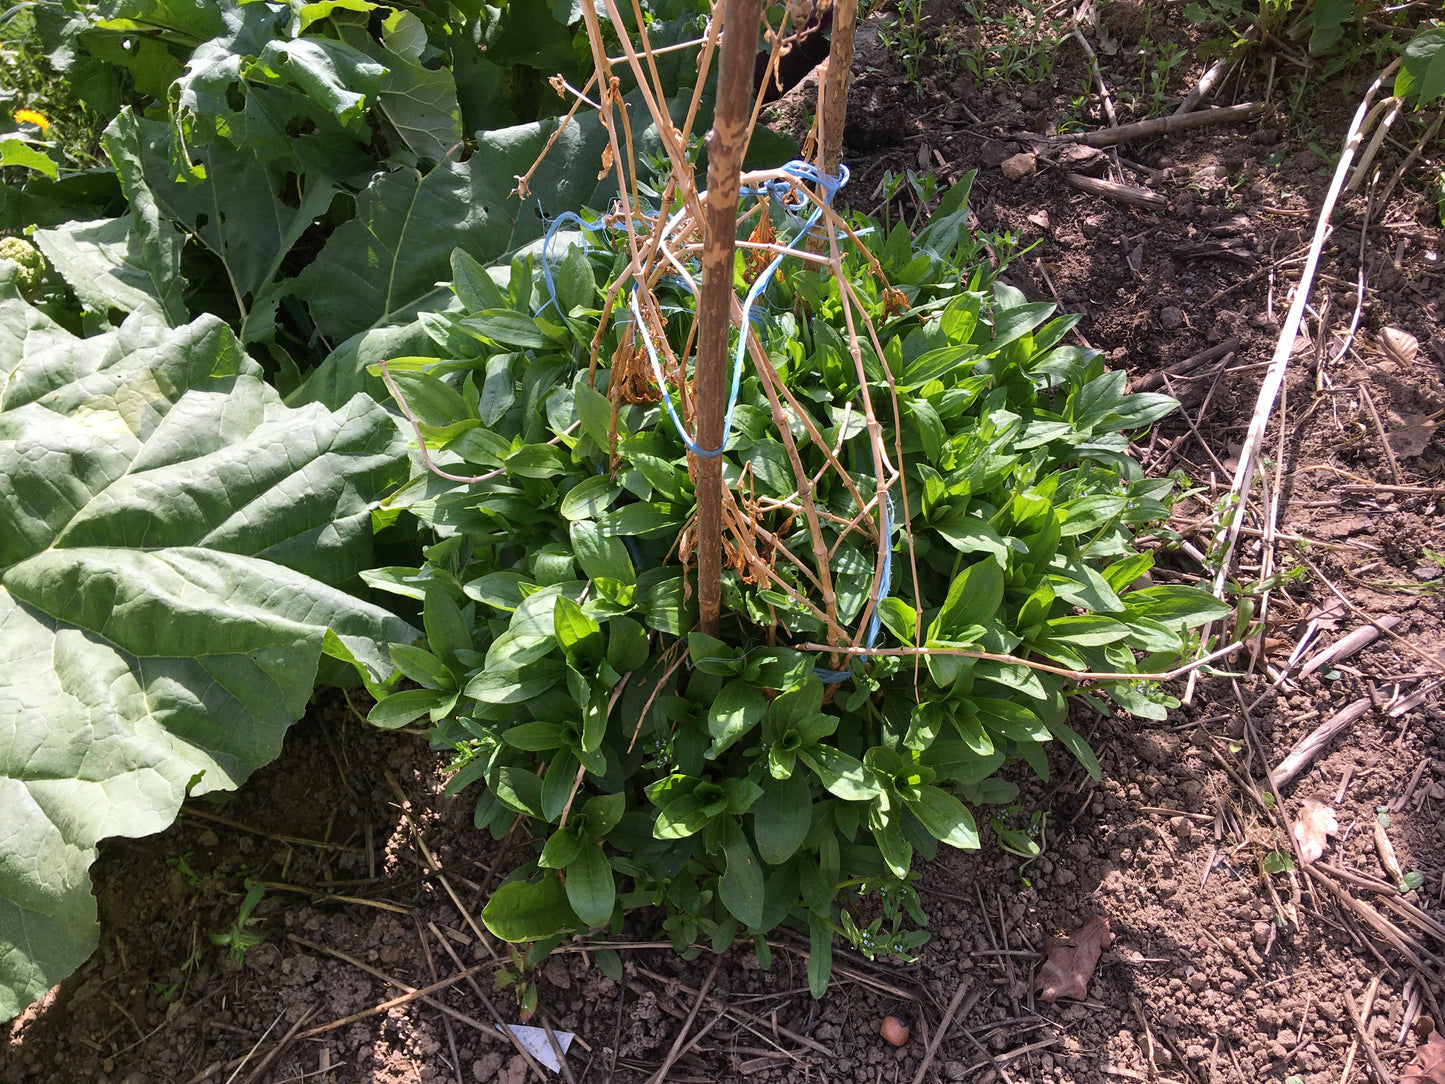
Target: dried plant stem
1399,173
1098,75
1390,460
1211,78
1148,129
1274,377
1013,660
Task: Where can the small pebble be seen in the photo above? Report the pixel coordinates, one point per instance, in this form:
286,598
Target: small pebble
1171,318
894,1029
1019,166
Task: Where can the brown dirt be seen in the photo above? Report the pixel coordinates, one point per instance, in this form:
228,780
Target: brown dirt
1218,971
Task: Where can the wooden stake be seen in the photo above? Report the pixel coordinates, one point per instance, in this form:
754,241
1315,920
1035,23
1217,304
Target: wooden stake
835,90
725,143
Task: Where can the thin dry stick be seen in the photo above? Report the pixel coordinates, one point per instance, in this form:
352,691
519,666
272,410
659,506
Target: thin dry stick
1098,77
1410,158
1148,129
1123,193
949,1014
255,1075
1387,629
1381,1076
468,973
1274,377
1366,1006
419,994
1343,648
1154,381
1390,459
435,866
1210,78
748,1019
1316,741
1393,105
677,1044
431,968
250,1053
422,994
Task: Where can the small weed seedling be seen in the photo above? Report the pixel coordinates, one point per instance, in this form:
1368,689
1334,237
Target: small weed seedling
240,937
518,977
182,865
904,42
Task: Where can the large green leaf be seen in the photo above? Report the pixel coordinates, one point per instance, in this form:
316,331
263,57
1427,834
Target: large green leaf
384,263
103,262
249,211
421,103
170,534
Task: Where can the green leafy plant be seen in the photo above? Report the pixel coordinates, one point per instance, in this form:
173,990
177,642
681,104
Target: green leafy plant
757,778
240,936
904,42
172,543
1028,842
283,185
1157,62
519,977
305,172
1276,862
1014,45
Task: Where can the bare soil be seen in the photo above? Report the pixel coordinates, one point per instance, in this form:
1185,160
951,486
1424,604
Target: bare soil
1219,970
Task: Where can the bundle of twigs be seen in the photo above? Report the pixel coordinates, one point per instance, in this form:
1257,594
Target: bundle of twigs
691,236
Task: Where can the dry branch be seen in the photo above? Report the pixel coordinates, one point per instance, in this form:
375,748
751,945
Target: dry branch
1123,193
1274,378
1313,743
1155,381
835,83
1348,645
1158,126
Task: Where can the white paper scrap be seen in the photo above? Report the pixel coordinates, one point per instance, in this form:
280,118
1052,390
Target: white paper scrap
534,1041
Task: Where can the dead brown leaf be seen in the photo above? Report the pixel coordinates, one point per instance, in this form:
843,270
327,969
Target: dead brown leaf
1401,346
1071,961
1315,823
1429,1063
1412,435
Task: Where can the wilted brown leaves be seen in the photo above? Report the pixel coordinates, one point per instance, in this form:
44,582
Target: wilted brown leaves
1071,961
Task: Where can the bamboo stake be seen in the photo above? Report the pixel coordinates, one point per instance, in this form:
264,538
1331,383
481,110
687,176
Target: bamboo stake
726,143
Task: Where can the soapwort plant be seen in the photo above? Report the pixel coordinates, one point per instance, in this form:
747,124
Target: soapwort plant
929,517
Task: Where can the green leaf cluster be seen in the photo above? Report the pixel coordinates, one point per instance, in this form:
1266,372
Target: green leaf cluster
283,186
304,171
175,544
735,782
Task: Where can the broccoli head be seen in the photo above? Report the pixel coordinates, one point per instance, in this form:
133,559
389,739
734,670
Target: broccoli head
27,257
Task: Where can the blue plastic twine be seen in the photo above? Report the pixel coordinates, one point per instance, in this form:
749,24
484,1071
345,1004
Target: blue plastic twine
793,202
787,196
553,225
885,581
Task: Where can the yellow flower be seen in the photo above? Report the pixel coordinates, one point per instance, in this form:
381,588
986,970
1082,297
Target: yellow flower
30,116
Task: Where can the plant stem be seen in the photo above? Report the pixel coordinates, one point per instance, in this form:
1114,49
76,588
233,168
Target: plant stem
726,143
